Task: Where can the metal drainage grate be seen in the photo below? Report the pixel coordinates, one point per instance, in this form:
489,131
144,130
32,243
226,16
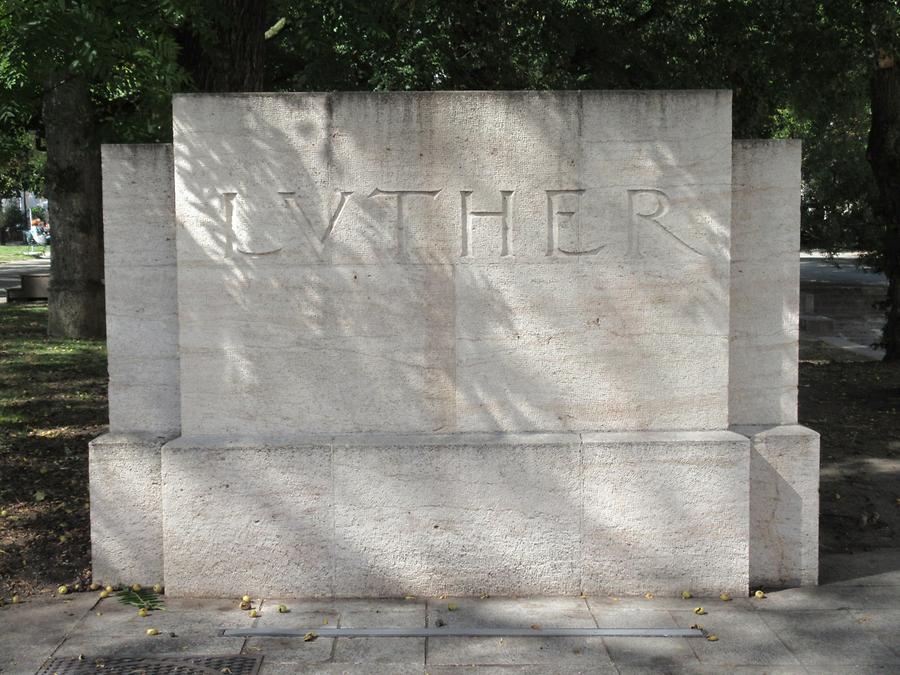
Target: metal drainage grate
153,665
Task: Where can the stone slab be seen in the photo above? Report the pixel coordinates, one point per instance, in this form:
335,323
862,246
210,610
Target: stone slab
659,652
501,518
885,623
665,513
831,597
380,651
765,269
140,280
504,514
522,613
784,506
33,629
830,638
453,261
126,509
259,518
744,638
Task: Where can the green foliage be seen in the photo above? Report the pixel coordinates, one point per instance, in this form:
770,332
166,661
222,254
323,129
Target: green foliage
796,69
12,217
142,599
21,163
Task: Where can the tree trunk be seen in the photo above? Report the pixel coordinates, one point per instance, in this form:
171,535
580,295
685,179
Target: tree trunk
228,54
884,156
76,303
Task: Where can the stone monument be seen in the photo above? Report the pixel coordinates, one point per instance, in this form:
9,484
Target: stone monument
370,344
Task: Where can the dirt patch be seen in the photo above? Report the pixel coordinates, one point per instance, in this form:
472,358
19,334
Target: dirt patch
854,406
52,403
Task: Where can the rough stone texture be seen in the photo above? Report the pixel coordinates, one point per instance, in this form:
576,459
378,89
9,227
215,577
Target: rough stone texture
784,505
247,518
504,514
126,509
765,269
665,511
141,294
490,514
299,263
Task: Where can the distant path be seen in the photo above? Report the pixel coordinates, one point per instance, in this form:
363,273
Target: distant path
840,271
10,271
839,304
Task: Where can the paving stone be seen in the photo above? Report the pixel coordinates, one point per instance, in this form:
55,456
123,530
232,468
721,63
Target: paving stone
299,668
302,615
558,669
32,630
639,650
874,568
679,669
744,639
381,614
140,644
830,597
658,603
499,612
829,638
856,669
885,623
184,616
559,612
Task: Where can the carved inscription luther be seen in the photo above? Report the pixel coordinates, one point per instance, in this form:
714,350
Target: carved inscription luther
398,195
466,221
647,209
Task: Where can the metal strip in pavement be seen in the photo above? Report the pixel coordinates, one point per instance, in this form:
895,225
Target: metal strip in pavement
447,631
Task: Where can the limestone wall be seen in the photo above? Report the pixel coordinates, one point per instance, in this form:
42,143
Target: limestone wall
453,262
506,343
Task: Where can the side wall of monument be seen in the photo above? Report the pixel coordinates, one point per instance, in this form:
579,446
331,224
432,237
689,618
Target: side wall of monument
142,345
784,461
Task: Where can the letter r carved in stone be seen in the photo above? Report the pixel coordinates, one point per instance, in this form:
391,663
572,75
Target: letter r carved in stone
647,206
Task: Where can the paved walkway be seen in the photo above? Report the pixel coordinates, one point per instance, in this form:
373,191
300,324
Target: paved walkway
10,271
841,270
850,624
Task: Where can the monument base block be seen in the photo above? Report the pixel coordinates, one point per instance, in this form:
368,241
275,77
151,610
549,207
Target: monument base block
784,505
126,509
504,514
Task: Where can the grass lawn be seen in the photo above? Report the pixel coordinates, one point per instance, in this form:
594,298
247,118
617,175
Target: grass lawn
52,402
14,252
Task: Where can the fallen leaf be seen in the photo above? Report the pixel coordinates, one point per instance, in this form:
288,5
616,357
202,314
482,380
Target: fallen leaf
309,637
